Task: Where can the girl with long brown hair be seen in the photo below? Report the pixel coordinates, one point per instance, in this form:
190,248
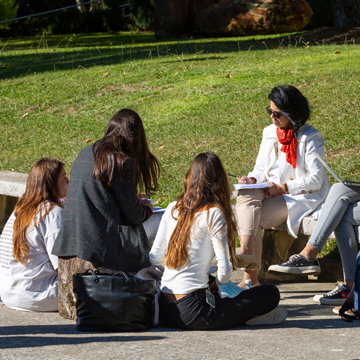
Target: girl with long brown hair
194,229
29,279
103,214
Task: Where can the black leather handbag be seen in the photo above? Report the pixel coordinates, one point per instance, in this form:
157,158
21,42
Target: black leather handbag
113,302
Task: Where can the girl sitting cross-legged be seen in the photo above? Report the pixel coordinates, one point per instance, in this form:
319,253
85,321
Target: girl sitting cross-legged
194,229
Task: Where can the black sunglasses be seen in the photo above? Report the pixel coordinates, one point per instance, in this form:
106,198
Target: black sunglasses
276,114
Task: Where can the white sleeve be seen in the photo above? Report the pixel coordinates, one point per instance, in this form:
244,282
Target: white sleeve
314,176
158,250
49,243
53,226
220,245
259,170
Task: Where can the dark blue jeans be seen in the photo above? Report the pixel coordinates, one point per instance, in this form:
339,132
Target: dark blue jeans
192,312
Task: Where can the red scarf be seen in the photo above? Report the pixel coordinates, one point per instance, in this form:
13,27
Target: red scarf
288,141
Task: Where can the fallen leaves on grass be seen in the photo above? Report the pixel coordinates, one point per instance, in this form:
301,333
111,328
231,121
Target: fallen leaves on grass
176,73
256,114
161,147
337,52
105,75
229,75
87,140
26,114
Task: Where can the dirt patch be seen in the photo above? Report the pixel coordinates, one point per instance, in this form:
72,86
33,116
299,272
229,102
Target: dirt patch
75,109
31,108
122,88
131,88
329,35
338,153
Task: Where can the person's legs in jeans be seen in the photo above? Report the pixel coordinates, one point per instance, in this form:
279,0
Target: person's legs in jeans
335,206
273,213
347,241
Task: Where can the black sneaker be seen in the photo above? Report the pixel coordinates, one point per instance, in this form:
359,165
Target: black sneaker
334,297
297,264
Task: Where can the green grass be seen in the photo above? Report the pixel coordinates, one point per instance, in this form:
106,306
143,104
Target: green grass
57,94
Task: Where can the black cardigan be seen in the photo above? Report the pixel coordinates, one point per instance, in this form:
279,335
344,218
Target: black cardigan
103,225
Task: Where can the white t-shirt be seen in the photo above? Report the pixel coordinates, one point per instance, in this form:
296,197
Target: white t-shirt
205,243
33,287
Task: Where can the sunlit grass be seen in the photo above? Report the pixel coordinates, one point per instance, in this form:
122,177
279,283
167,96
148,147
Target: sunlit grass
57,94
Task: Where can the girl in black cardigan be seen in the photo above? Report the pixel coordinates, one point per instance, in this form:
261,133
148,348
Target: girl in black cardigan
103,216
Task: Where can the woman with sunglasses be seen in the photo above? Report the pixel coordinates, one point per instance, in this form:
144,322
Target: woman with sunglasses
287,161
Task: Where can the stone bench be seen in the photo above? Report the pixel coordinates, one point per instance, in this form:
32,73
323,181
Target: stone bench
278,245
12,186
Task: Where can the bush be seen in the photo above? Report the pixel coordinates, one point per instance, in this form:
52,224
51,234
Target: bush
68,21
8,10
143,13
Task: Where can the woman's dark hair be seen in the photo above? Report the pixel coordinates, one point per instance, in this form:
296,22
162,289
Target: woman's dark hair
292,103
125,139
205,186
41,194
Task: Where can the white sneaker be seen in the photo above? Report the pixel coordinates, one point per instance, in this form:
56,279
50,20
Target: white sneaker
275,316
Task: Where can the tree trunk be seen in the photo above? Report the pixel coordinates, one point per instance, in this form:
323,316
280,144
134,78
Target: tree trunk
346,13
67,267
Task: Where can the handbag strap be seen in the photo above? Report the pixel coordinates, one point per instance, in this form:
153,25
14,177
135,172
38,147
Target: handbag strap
94,274
125,274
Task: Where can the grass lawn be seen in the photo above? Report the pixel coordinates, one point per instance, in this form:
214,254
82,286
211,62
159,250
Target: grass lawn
58,92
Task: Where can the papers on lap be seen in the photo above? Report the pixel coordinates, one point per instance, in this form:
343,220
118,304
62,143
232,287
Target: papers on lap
158,210
251,186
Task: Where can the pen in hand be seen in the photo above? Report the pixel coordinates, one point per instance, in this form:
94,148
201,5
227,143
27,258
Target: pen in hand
237,178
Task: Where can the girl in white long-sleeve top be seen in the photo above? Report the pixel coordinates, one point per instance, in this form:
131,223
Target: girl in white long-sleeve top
196,228
28,270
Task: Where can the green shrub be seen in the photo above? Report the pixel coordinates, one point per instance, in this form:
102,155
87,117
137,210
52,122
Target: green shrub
8,10
143,13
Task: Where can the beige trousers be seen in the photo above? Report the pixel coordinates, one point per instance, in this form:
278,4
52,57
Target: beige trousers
256,212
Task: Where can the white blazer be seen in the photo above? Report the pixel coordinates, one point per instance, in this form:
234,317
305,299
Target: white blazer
308,184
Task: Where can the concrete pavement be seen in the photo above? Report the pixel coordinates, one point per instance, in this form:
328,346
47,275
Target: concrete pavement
311,332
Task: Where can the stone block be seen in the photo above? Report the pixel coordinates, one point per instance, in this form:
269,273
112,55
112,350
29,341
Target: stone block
7,204
244,17
12,186
12,183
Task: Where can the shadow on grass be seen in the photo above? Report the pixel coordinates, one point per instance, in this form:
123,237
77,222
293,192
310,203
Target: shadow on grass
101,50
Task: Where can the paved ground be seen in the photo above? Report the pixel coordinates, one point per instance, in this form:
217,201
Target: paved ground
310,332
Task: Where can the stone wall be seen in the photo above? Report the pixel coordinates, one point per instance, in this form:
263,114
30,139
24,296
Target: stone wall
176,18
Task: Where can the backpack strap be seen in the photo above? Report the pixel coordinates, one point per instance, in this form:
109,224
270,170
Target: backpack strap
347,305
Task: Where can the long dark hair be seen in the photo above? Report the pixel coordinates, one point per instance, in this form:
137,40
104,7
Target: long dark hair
292,103
41,187
125,139
205,186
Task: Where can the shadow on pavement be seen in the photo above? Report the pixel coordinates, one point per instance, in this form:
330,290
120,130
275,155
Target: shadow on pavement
33,336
